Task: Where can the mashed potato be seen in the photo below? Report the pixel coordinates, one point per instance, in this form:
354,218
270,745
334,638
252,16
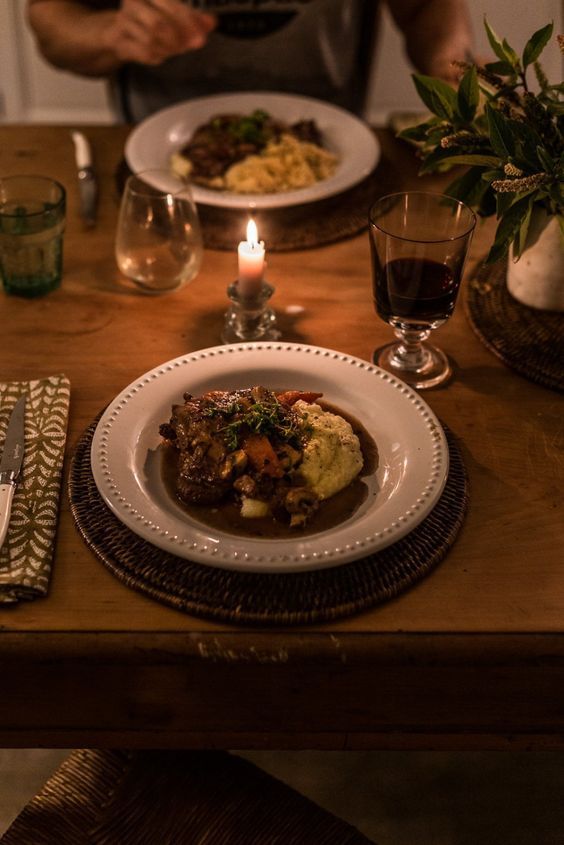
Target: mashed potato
284,165
332,457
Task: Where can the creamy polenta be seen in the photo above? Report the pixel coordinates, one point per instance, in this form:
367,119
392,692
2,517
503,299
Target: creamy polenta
332,455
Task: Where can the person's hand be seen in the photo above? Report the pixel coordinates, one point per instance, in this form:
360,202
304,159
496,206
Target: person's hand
151,31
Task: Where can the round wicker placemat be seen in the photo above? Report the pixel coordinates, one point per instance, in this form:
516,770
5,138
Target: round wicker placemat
296,227
264,599
529,341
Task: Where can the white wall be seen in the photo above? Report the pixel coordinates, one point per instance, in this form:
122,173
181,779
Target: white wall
31,91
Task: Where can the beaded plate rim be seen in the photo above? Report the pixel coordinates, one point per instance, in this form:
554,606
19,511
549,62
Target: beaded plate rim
118,479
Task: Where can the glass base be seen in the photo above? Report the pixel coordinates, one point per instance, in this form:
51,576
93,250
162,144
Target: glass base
237,330
249,318
31,286
426,367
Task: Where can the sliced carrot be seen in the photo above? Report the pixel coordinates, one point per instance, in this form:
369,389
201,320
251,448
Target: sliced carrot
290,397
262,456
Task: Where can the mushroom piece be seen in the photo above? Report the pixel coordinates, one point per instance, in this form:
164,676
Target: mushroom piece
234,464
301,500
246,485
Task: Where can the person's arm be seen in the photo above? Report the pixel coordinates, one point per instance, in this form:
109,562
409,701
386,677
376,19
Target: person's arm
437,33
92,42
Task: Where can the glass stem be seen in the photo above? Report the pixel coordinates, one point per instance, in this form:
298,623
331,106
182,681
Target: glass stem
409,353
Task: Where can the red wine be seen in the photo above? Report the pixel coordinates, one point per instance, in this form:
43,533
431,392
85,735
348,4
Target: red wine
415,290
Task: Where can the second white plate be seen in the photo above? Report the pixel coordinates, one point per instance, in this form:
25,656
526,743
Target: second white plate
152,142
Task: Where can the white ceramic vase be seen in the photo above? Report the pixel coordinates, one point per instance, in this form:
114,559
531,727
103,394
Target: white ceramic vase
537,278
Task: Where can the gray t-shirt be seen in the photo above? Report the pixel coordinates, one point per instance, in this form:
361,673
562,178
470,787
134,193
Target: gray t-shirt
316,48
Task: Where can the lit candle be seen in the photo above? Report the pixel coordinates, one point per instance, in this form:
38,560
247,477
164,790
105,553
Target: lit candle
251,262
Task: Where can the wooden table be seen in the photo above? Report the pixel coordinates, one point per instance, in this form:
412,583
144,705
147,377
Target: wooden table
471,657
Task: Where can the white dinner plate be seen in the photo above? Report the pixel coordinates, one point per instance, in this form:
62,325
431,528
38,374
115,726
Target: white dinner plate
153,141
412,449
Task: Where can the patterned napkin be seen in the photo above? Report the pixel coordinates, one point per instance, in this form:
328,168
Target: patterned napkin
27,554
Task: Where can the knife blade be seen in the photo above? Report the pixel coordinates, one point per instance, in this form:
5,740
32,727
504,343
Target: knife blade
11,464
87,186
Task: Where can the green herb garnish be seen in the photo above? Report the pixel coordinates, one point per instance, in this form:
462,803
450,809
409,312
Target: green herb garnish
272,420
251,128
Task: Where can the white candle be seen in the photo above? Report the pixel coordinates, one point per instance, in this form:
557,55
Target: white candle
251,262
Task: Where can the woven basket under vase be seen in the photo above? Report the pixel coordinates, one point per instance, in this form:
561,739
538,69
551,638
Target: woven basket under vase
528,340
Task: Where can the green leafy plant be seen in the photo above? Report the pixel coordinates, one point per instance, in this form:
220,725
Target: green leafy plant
510,138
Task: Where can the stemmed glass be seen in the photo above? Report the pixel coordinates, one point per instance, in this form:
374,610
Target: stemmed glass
419,242
158,240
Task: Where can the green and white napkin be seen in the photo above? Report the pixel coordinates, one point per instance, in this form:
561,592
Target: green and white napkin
27,554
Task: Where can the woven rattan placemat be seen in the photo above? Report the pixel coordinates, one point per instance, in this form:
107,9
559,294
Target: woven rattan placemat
296,227
265,599
529,341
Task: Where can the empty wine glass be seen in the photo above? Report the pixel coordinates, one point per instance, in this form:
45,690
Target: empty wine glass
158,240
419,242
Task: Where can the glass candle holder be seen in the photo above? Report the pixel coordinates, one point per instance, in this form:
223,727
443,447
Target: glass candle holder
249,316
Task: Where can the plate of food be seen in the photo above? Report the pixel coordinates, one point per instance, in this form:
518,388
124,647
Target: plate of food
259,150
269,457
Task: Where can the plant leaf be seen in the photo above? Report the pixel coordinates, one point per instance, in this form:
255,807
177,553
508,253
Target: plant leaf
502,203
526,141
495,42
501,48
520,240
490,175
503,68
414,133
546,160
474,159
500,134
436,134
507,229
469,187
510,53
555,108
487,204
536,44
468,95
439,97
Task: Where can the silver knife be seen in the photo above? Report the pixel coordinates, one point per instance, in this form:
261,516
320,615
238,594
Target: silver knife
87,186
11,464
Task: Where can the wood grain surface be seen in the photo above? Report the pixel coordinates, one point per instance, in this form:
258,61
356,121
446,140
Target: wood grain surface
473,656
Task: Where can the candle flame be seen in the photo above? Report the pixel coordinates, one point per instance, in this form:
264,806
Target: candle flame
252,234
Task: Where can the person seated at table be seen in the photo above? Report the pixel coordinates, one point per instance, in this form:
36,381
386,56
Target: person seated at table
159,52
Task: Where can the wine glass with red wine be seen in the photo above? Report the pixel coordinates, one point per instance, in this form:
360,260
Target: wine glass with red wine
419,242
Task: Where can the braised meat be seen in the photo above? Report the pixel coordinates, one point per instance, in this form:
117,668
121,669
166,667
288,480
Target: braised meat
245,444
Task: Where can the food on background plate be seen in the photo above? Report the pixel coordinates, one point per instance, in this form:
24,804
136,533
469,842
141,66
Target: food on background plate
254,154
275,456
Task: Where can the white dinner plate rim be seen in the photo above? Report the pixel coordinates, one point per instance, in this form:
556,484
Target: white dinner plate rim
364,152
132,504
